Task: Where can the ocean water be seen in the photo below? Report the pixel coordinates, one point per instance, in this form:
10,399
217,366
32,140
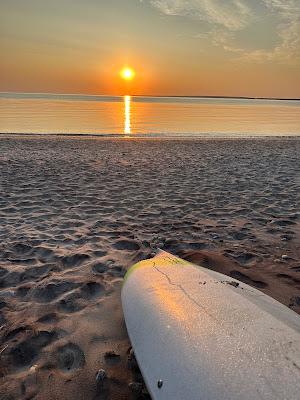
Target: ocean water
138,116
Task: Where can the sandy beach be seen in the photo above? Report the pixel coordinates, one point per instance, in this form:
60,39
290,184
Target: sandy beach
76,213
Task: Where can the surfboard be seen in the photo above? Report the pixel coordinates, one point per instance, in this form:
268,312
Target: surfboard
198,334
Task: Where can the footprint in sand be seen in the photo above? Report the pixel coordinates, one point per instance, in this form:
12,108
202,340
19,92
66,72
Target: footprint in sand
70,357
294,301
76,300
22,291
48,318
99,268
13,333
48,292
289,279
74,260
117,272
3,303
127,245
45,254
27,351
2,319
35,272
71,303
11,279
99,253
91,289
21,249
243,258
283,222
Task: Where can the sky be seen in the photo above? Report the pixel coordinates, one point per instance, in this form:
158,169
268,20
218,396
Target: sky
177,47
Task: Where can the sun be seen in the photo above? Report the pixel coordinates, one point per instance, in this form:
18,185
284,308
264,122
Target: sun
127,73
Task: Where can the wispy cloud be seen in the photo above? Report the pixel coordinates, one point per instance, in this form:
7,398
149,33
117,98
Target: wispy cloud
227,18
232,14
288,28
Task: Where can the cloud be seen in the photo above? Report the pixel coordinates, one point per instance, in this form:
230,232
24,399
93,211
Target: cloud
288,30
226,18
232,14
287,7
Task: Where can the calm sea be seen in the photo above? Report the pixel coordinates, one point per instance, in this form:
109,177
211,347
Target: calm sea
147,116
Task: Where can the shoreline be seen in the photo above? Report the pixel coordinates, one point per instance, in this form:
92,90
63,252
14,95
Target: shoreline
145,137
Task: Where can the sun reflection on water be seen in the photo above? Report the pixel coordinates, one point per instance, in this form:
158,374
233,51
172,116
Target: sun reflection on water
127,124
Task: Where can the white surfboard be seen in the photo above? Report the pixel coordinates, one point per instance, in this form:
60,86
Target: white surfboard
198,334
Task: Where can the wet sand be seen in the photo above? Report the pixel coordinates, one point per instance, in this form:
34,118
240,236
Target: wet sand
76,213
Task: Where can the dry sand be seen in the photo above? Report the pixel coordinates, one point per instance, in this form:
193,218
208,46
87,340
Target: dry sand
75,213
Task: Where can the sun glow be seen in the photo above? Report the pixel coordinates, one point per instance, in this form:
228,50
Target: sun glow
127,73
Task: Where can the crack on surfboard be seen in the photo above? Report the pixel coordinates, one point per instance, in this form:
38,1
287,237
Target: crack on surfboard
176,260
186,293
292,362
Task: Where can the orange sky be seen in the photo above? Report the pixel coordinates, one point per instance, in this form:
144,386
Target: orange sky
211,47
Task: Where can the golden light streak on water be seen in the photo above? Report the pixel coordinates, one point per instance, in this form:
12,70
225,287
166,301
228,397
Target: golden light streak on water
127,123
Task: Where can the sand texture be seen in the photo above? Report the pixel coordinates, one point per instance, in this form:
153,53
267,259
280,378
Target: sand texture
75,213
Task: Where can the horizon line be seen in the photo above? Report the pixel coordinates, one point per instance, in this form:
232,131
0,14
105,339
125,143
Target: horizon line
156,95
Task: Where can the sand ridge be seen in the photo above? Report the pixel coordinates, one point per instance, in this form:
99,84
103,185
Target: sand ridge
75,213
